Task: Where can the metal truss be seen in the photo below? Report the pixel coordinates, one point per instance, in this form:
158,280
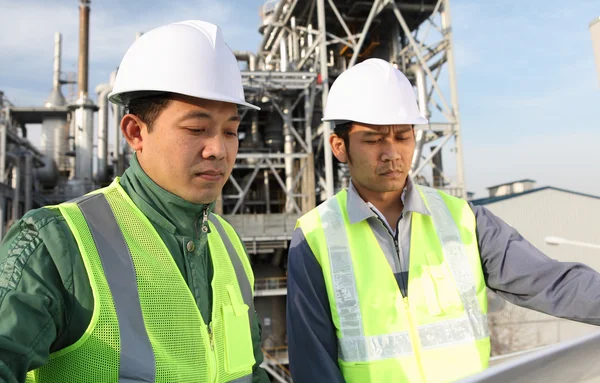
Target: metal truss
287,94
326,37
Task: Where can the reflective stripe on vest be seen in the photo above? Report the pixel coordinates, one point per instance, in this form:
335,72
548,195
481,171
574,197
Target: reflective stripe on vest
238,268
354,346
137,361
136,355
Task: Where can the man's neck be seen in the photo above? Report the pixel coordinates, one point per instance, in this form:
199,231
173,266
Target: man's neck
388,203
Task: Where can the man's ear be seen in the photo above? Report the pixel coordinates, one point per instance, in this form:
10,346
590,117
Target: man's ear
338,147
131,127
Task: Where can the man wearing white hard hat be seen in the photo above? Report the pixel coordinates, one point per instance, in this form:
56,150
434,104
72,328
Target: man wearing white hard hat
387,280
140,281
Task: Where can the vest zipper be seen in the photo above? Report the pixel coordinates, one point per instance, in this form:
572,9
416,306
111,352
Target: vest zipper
414,338
395,238
211,355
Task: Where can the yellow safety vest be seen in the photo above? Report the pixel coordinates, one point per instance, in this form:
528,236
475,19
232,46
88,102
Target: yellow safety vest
145,324
439,333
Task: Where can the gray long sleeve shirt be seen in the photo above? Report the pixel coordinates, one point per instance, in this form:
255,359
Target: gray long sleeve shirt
512,267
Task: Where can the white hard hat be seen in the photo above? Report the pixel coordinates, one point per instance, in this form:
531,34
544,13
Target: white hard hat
373,92
189,58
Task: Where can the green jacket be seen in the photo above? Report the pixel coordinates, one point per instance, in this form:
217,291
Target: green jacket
45,297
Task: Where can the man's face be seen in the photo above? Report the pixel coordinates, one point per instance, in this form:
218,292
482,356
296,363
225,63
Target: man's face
191,149
379,157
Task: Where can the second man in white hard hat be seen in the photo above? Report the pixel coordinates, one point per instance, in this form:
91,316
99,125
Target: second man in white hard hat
141,281
387,280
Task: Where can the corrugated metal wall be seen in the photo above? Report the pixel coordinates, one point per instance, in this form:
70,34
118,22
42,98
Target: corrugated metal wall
536,215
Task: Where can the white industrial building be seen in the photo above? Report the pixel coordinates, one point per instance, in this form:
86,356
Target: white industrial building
563,224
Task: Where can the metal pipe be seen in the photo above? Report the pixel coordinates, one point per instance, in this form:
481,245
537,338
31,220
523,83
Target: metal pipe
274,43
2,209
288,148
57,54
269,29
283,58
267,191
447,28
325,92
423,106
28,184
102,152
84,140
255,137
247,56
16,183
417,50
3,129
84,32
295,43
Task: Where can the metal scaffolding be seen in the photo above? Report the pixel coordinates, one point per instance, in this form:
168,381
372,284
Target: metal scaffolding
305,46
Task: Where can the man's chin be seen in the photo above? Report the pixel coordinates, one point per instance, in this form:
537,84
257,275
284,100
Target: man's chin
202,196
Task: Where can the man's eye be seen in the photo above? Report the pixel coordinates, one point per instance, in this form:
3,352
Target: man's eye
196,130
232,134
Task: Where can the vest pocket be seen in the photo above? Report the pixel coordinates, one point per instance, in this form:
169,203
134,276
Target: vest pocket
239,355
439,288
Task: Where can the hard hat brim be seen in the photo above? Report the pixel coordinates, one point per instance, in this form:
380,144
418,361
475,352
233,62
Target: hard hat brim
123,97
410,121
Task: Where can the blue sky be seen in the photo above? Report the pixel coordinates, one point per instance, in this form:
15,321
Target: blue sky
528,90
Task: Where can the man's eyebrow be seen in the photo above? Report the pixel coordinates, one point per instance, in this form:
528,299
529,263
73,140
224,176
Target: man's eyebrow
196,114
370,133
205,115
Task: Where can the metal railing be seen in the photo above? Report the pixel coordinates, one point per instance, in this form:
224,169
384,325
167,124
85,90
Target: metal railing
273,367
277,353
270,283
572,361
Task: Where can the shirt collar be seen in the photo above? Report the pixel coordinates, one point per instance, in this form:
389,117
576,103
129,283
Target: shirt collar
359,210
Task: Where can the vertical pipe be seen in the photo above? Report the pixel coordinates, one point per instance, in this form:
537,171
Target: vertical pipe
3,128
102,156
325,92
16,189
57,53
283,55
28,182
84,31
267,191
84,141
255,138
117,115
424,107
447,28
295,43
309,176
288,148
2,210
